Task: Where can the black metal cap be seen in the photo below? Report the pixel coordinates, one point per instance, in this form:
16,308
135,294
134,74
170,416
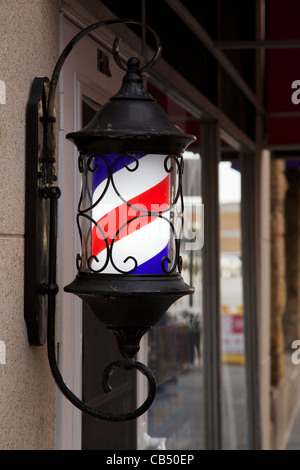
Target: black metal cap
126,301
131,121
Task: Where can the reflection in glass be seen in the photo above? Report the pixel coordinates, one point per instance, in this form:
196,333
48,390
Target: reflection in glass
232,321
175,344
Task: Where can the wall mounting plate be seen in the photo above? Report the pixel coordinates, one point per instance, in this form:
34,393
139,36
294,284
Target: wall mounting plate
36,216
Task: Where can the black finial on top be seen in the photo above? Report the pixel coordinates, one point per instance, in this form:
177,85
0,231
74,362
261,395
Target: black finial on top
133,64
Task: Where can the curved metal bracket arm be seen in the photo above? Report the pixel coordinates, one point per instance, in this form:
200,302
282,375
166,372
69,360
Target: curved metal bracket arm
126,363
47,196
115,53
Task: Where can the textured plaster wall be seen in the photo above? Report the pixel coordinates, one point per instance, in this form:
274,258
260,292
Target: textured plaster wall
28,48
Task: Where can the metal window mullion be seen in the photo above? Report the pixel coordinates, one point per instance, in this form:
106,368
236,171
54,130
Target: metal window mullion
249,222
210,153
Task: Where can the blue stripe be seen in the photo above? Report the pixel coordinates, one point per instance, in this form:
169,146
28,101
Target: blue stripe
153,265
100,173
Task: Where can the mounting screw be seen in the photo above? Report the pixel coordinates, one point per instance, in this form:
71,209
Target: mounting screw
50,289
52,193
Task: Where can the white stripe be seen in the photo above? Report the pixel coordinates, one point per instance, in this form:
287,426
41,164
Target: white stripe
143,245
150,172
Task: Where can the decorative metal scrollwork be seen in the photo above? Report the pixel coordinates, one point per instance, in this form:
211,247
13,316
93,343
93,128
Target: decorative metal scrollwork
127,362
89,165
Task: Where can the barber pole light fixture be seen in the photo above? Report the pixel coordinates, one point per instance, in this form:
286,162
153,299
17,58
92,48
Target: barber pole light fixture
130,217
142,184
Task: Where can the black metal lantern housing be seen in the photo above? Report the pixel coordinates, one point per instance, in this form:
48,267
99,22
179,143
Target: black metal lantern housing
130,218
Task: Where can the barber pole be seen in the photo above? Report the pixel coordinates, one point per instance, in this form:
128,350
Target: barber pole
131,208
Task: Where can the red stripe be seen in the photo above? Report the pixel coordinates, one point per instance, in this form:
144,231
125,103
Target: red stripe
155,199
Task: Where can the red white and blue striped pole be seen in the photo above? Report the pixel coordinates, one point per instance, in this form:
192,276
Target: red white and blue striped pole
128,215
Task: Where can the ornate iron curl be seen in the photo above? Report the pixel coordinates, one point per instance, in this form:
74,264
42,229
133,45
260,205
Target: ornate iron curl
165,258
126,363
92,170
93,257
128,257
177,251
169,168
115,53
179,165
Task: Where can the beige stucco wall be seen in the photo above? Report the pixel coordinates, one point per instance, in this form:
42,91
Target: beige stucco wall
28,48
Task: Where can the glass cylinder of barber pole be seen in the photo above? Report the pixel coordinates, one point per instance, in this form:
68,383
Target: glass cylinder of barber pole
129,215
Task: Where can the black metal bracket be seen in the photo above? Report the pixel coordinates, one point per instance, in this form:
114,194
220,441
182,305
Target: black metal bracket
40,176
41,201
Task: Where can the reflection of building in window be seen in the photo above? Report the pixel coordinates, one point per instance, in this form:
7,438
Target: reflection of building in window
231,272
230,228
284,295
